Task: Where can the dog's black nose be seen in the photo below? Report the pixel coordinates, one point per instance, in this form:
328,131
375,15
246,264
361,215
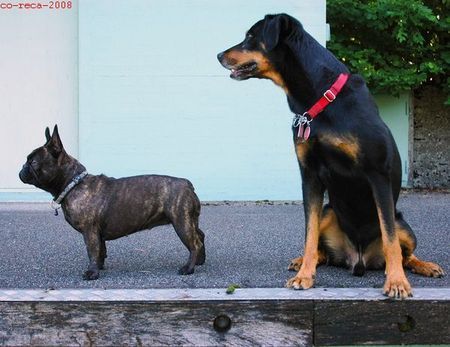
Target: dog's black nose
22,173
220,56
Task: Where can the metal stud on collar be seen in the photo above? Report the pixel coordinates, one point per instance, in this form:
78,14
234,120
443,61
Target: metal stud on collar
55,207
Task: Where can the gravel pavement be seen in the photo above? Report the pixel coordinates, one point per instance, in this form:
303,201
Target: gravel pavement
249,244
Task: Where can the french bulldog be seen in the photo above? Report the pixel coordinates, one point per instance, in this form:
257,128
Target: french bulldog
104,208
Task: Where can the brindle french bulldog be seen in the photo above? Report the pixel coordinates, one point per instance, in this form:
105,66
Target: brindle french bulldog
104,208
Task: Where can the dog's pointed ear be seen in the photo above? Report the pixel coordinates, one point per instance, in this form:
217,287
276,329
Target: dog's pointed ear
276,28
55,145
47,134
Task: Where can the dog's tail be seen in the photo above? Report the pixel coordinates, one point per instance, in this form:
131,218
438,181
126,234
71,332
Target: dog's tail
359,268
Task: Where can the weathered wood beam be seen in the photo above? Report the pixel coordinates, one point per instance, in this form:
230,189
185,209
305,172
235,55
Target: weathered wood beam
256,316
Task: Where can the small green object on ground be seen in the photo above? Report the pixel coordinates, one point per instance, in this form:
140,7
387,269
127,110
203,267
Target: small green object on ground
232,287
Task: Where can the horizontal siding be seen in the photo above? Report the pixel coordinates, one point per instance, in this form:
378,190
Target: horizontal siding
39,85
154,99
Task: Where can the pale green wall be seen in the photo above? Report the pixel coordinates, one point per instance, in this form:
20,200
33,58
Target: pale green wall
395,112
154,99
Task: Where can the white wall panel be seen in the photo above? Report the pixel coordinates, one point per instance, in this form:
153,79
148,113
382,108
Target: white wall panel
39,85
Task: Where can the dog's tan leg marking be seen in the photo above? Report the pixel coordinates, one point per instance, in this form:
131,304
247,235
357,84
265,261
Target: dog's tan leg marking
305,277
424,268
396,284
301,150
334,238
373,255
296,263
330,233
411,262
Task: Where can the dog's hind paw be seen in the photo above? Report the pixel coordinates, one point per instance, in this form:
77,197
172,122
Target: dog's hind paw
300,282
295,264
428,269
90,275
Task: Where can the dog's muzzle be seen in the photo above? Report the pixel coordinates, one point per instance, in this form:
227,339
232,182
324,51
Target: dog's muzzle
26,175
238,72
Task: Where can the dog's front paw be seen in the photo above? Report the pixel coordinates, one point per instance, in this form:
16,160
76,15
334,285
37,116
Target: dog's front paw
295,264
299,282
397,287
90,275
186,270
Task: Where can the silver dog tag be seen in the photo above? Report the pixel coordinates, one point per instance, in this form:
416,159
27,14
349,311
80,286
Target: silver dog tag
304,130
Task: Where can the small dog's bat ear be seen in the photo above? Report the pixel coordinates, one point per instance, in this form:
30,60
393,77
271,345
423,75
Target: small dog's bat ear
276,27
47,134
55,130
55,145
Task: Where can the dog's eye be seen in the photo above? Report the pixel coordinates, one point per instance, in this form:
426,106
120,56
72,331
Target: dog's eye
249,36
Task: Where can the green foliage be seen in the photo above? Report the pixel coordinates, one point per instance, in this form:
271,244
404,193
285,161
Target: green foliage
397,45
231,288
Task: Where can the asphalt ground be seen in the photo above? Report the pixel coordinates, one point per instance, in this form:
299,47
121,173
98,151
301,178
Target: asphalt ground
249,244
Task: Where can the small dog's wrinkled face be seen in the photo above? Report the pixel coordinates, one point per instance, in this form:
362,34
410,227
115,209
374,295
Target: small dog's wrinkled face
42,164
256,56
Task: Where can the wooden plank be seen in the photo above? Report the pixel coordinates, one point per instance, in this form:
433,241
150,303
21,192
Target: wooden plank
131,323
251,316
381,322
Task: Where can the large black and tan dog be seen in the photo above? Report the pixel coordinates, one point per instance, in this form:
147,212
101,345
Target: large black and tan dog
346,150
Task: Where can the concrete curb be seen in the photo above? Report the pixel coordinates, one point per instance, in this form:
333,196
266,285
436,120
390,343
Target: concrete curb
211,294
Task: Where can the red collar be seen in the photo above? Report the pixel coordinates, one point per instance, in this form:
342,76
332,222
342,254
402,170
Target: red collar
302,121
